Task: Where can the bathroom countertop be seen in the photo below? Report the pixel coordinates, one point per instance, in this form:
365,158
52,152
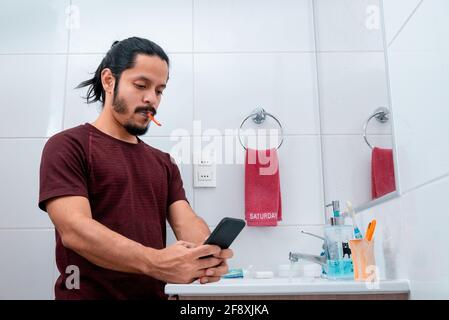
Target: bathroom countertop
286,286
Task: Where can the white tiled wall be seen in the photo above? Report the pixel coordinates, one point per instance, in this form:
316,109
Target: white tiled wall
27,265
168,23
29,26
80,68
35,96
20,182
284,84
313,63
348,25
252,25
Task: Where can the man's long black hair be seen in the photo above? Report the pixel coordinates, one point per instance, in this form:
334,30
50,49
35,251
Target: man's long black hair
121,56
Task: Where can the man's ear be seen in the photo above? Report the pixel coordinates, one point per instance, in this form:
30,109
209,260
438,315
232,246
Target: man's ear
107,80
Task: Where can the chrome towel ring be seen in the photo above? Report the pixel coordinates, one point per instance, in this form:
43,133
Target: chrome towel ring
382,115
258,116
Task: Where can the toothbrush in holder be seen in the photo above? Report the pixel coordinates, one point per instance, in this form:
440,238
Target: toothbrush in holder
357,232
370,230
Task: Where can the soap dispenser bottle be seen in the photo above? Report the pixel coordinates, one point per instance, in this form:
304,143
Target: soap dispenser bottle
337,235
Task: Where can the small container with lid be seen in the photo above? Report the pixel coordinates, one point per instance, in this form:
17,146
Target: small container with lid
289,270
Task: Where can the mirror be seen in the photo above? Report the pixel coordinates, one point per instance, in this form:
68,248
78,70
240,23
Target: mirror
356,119
354,108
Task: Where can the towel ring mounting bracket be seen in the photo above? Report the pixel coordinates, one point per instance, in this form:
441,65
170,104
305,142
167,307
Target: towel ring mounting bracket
258,116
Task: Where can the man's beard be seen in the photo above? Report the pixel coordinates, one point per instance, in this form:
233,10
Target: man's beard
120,107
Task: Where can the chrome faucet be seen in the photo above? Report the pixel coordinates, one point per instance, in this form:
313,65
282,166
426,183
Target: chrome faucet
296,256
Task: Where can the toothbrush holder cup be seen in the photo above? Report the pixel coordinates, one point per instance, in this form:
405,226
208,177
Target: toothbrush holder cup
362,252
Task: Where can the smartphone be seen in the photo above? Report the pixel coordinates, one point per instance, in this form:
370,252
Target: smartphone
225,232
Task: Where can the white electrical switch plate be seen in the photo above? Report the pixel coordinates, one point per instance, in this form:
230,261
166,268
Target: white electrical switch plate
205,174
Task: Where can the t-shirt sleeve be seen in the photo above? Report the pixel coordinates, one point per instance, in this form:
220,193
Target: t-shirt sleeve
175,185
63,169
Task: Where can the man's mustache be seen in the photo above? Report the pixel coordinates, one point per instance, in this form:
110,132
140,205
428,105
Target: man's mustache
146,109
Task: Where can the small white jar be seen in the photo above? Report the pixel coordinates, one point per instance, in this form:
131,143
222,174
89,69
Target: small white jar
287,270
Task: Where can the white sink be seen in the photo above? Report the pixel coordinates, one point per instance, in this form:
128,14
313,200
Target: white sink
287,286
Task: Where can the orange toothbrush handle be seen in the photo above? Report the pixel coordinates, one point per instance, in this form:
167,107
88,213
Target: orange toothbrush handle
154,120
370,233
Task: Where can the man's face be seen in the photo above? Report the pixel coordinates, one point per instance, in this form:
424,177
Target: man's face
139,92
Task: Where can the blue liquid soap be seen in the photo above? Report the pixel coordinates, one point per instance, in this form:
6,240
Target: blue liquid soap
339,262
340,269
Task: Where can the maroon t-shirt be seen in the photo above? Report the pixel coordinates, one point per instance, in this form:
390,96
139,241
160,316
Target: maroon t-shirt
129,188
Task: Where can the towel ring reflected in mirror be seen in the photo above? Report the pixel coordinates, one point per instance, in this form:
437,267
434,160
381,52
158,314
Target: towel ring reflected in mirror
382,115
258,116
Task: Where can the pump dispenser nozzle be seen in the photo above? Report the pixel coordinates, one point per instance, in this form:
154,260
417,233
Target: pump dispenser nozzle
335,207
336,219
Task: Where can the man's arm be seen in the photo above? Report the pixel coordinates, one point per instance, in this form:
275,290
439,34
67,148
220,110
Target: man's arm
188,226
178,263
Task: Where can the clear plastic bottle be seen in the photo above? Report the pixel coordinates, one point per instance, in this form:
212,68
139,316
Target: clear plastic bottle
339,261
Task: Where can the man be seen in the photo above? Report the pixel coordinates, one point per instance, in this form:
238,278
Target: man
109,194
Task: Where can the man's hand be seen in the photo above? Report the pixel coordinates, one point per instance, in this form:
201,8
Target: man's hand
181,263
214,274
189,226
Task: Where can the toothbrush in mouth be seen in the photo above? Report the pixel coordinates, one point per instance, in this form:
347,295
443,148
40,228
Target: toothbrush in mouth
150,115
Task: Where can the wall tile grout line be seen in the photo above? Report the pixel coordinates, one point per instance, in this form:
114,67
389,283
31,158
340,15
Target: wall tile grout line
193,103
34,54
22,138
64,102
195,52
298,135
26,229
278,226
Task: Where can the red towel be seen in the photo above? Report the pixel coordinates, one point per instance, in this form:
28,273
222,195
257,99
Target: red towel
262,188
382,172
